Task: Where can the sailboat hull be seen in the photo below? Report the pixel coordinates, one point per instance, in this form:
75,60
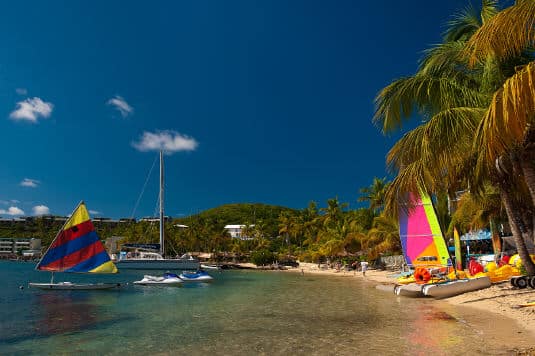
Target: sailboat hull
171,264
456,287
74,286
412,290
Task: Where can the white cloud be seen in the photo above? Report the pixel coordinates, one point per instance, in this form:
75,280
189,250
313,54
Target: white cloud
21,91
41,210
31,110
12,201
168,141
13,210
121,105
32,183
94,212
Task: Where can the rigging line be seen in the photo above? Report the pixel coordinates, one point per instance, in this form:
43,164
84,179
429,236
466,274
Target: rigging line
143,189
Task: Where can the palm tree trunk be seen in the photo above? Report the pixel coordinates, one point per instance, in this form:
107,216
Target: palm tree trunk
523,164
528,170
515,221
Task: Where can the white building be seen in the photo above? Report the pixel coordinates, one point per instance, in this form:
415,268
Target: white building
28,247
235,231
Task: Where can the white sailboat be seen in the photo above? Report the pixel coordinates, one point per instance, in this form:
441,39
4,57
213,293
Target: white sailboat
144,260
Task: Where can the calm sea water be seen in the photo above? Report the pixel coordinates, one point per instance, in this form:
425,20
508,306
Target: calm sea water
241,313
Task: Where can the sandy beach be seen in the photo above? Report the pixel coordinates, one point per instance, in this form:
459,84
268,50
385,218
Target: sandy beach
500,299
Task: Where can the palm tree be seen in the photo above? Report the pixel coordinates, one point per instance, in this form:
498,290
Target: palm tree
465,110
474,211
383,236
507,132
333,212
310,220
375,194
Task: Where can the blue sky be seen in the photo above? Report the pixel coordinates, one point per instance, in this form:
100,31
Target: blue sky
260,101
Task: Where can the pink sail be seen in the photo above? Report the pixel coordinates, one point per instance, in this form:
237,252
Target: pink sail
421,238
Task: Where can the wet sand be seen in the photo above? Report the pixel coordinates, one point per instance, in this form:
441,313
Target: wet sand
483,307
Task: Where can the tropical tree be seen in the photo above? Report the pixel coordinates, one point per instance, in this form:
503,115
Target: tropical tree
382,237
478,114
375,194
474,211
333,212
507,133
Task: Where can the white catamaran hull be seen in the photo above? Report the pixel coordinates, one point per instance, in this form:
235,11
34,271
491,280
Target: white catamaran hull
74,286
412,290
171,264
449,289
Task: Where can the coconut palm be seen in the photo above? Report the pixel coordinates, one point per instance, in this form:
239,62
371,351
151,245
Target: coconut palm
333,212
383,236
506,133
474,211
460,101
375,194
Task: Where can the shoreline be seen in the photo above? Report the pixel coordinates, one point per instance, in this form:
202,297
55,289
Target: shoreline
498,300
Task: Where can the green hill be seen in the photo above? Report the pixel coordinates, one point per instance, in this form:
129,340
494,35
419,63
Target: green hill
241,214
213,220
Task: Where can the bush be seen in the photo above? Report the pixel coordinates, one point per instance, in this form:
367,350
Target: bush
263,257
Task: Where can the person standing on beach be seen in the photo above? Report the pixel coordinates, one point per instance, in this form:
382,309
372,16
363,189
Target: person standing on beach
364,267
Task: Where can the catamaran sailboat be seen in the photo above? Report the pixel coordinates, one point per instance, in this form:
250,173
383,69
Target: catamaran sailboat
423,246
143,259
76,249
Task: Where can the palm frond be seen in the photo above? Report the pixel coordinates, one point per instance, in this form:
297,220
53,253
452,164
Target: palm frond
506,35
429,94
489,8
411,178
451,131
441,144
510,115
444,59
462,25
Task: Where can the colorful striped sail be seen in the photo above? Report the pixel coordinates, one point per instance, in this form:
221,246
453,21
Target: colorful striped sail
77,248
421,238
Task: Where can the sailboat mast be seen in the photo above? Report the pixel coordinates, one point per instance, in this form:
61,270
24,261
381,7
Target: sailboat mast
162,242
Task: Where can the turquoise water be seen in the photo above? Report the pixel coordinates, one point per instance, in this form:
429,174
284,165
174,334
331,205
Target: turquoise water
241,313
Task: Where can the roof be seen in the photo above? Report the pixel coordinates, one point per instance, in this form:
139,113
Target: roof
476,235
236,226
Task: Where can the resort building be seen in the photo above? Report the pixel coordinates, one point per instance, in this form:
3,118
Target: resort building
11,221
236,231
23,220
154,218
27,247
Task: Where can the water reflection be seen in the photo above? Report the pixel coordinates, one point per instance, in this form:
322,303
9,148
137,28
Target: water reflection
433,330
62,313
